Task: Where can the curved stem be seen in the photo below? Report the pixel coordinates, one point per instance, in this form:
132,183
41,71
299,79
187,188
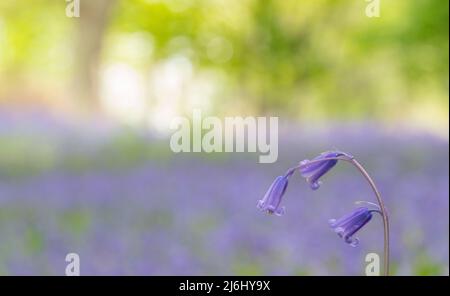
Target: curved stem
379,200
383,213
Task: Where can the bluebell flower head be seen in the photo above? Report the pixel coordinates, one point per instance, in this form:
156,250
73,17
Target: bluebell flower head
348,225
314,169
272,199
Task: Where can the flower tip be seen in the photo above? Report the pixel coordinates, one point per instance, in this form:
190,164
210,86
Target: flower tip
280,212
260,204
353,242
315,185
340,231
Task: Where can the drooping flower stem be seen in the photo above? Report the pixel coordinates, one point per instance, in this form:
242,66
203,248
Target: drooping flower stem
374,188
384,214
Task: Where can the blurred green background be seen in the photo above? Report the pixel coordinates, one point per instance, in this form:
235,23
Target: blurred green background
307,60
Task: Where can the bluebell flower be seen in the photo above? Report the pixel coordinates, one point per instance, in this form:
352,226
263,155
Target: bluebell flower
272,199
314,169
348,225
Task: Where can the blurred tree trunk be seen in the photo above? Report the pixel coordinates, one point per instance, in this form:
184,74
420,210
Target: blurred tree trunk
92,23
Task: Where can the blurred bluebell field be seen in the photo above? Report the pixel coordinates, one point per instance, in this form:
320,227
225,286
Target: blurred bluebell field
85,108
129,206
